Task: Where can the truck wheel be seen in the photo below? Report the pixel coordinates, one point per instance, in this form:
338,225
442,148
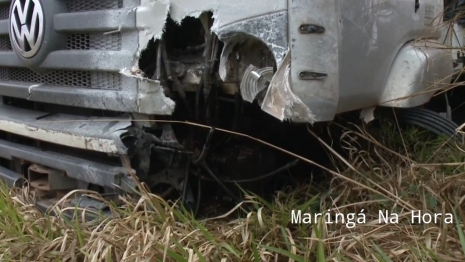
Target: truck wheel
429,120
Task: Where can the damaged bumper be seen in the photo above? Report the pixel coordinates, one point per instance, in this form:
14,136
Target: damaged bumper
76,168
96,134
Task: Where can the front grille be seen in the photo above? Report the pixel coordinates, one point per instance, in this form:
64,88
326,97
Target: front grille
94,41
4,12
5,43
84,41
102,75
75,6
97,80
92,5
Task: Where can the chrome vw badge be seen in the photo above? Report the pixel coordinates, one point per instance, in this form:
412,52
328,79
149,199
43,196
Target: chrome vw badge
26,27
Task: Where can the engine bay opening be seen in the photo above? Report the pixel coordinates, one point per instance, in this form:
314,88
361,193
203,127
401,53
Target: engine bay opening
183,42
187,61
188,35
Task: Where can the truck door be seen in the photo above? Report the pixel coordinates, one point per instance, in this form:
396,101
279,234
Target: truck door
314,44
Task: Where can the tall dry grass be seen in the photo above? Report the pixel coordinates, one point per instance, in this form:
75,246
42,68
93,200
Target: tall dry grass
384,171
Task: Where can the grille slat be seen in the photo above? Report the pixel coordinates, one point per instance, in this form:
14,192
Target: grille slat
96,80
94,41
86,5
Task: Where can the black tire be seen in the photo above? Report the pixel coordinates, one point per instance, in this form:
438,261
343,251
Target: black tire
428,120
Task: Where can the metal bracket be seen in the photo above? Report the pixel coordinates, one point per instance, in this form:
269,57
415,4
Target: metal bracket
309,75
311,29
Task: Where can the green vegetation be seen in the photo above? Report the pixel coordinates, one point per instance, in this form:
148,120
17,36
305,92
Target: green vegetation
382,172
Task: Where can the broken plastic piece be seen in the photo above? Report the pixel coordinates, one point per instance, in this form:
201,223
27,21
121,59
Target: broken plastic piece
368,114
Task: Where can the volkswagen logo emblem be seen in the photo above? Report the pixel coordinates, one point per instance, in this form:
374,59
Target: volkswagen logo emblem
26,27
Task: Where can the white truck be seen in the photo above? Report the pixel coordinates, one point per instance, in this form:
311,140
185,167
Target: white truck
96,93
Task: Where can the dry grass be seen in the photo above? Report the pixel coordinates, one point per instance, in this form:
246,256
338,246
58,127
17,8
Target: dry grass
150,229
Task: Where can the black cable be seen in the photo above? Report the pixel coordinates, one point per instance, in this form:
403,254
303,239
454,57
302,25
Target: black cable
198,93
217,180
171,150
152,138
206,148
277,171
199,196
186,182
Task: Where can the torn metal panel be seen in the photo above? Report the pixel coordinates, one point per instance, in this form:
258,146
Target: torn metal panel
142,121
151,98
264,19
151,18
281,102
75,131
271,29
225,12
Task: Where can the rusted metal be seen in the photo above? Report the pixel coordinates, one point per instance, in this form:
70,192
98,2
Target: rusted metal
49,179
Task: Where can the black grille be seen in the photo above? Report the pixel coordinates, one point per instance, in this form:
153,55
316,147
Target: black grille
5,43
4,11
94,41
86,5
97,80
82,41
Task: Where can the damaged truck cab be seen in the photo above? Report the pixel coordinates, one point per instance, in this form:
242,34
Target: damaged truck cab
96,93
331,56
